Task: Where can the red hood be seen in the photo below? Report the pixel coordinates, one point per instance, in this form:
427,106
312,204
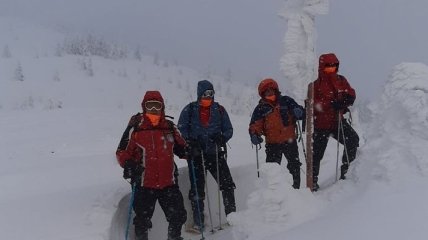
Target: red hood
327,59
153,95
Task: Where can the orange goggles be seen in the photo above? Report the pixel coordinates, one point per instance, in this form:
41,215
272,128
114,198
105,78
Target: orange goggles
153,105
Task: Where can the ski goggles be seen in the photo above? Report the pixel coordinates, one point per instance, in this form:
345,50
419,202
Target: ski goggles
153,105
330,69
208,93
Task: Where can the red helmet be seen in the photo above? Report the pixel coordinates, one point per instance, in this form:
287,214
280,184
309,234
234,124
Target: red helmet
267,83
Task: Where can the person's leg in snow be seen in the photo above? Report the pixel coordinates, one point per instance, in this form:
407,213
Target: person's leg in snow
291,153
351,142
227,185
197,202
171,202
320,144
144,206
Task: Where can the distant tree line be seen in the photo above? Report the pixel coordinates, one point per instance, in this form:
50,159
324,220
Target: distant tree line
91,46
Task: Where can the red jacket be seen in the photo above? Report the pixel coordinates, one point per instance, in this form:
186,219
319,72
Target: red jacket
152,146
327,89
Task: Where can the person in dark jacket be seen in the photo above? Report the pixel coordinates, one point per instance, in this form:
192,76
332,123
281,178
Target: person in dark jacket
275,117
206,127
148,160
332,97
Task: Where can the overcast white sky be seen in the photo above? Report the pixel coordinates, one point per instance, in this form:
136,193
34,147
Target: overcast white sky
369,36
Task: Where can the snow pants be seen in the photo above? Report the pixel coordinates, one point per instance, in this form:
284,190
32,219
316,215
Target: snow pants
225,180
290,150
171,201
320,139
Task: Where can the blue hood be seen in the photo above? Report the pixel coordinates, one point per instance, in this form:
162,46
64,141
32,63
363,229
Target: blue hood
203,86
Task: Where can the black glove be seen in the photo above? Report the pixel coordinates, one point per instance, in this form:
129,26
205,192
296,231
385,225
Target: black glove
217,138
256,139
338,105
131,170
193,148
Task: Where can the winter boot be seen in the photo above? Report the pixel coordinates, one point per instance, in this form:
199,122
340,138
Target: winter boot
198,215
315,186
343,170
141,234
174,233
296,180
229,201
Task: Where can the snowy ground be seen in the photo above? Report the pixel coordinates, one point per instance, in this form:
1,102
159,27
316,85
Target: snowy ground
59,178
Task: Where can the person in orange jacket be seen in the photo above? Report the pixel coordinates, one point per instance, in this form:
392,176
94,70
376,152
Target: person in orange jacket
332,96
148,160
275,117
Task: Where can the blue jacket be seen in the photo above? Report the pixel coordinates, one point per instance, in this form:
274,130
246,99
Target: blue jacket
219,123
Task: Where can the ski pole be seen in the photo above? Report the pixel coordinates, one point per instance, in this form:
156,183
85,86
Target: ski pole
339,120
131,203
218,187
206,190
257,161
301,134
192,166
344,143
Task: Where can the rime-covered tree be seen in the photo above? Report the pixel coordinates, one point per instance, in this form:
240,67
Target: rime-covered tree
299,60
19,73
6,52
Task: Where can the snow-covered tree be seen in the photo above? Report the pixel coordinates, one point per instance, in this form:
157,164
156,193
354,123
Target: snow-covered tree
19,74
6,52
137,54
299,61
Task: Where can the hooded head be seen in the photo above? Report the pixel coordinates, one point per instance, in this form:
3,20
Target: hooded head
266,84
203,86
148,107
326,61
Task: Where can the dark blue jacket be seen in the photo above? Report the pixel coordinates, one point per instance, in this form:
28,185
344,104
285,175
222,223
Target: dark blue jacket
219,123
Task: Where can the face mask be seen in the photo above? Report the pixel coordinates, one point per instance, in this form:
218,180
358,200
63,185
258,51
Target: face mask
271,98
206,102
330,70
154,118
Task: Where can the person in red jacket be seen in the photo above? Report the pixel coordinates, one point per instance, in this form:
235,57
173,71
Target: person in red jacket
148,160
332,97
275,117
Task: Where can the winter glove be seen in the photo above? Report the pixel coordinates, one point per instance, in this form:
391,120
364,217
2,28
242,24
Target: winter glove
131,170
217,138
298,113
256,139
193,149
338,105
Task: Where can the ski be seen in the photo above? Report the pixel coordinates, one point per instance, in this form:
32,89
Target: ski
309,102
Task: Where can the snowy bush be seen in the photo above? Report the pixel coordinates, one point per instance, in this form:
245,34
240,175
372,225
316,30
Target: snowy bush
91,46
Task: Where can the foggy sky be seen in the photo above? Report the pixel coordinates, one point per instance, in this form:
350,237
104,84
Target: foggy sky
368,36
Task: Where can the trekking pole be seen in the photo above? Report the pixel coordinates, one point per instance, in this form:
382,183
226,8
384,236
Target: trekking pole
192,166
303,145
131,204
257,160
218,187
344,143
339,120
301,134
206,190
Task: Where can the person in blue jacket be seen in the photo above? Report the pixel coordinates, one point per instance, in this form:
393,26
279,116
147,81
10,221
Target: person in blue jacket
206,127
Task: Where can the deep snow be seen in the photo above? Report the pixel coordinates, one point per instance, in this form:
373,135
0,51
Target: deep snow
59,178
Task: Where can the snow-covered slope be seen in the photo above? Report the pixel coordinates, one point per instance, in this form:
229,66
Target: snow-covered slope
60,127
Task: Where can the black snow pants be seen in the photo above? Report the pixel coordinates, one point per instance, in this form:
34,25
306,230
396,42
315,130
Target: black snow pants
290,150
171,201
225,180
320,139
